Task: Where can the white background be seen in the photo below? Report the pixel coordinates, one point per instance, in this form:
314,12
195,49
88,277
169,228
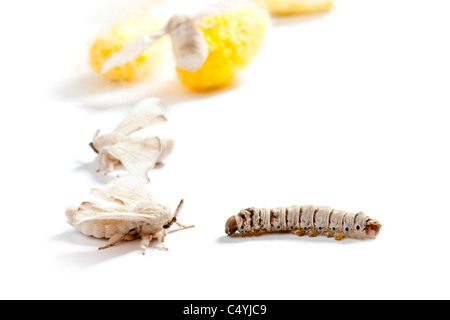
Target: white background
348,109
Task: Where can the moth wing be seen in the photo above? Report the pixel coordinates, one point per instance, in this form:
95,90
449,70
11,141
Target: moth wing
91,212
71,211
220,7
137,155
146,113
125,189
133,50
166,149
88,210
120,216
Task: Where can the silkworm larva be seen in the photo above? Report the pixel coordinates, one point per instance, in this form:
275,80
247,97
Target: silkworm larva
309,220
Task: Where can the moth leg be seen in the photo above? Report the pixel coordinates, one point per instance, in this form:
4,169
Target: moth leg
145,243
113,240
182,226
161,236
102,162
105,162
180,229
112,164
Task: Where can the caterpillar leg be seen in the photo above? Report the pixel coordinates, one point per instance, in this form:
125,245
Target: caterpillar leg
113,241
313,234
145,243
247,234
339,237
300,233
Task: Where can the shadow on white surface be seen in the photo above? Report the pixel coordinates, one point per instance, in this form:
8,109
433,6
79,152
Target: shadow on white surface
91,168
100,94
280,21
93,256
74,237
283,237
173,92
87,84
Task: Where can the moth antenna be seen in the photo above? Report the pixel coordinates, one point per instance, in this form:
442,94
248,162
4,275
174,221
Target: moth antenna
96,134
175,215
93,147
178,209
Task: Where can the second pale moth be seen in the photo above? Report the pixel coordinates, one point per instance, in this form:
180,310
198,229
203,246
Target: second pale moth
136,154
136,214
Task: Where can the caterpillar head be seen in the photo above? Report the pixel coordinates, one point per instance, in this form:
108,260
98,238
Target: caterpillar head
372,229
231,227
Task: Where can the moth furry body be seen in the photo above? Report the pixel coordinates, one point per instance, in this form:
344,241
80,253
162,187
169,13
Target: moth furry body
303,220
137,214
189,44
188,41
137,155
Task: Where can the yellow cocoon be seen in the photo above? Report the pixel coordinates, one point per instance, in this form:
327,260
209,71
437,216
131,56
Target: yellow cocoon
115,39
291,7
233,39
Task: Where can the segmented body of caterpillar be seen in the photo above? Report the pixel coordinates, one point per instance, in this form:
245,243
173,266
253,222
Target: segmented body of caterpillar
303,220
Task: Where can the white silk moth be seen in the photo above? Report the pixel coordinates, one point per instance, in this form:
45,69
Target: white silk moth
136,214
136,154
188,42
303,220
